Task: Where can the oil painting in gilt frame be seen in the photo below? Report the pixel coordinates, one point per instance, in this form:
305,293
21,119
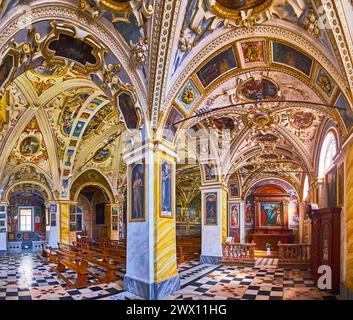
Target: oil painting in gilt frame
211,209
137,186
271,214
233,219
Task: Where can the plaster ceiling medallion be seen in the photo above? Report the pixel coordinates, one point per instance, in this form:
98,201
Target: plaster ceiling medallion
258,90
302,119
231,9
260,118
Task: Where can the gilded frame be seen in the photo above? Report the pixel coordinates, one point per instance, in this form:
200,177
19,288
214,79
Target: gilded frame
129,194
167,160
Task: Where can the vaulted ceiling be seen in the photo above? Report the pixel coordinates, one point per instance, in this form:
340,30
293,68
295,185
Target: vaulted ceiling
269,76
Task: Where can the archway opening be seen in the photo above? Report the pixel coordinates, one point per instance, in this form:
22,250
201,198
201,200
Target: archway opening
26,218
90,216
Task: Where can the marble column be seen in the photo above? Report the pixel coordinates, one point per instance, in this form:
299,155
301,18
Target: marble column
213,234
3,228
348,281
64,221
54,226
151,270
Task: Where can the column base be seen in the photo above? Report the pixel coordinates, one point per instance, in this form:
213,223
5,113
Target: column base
345,293
151,291
210,259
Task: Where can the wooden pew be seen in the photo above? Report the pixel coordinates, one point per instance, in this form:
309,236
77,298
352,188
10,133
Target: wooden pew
100,259
71,259
188,251
48,255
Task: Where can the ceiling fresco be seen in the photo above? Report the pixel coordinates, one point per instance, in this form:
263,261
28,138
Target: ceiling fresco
271,75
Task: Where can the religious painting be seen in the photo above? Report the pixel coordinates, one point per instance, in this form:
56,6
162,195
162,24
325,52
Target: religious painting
340,185
46,70
211,209
11,236
98,120
102,155
301,119
216,67
293,211
234,189
73,49
265,137
172,125
331,183
223,123
78,130
291,57
137,191
249,212
100,213
6,68
188,96
166,185
345,111
258,89
253,52
70,154
29,146
210,171
325,82
234,215
128,110
271,214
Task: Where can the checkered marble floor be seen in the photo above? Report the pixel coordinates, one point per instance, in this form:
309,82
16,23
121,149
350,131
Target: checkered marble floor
24,277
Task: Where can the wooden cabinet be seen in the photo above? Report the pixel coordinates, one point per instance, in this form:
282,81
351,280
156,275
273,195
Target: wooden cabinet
325,243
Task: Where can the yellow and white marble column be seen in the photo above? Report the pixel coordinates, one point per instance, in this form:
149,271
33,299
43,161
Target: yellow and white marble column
64,214
151,270
214,231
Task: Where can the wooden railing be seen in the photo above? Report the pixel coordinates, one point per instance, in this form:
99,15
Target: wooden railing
238,253
294,254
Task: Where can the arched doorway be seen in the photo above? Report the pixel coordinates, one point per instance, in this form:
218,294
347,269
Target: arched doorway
27,218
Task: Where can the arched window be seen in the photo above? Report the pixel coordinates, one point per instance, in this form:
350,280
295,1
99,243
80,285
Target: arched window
306,188
328,152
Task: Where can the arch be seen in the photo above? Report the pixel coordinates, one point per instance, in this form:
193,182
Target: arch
100,181
328,152
48,196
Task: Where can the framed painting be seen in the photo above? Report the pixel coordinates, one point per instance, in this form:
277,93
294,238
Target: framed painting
291,57
210,172
234,189
137,192
271,215
217,66
166,175
249,212
340,185
233,218
331,185
211,209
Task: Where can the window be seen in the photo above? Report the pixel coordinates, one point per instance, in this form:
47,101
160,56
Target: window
328,152
26,219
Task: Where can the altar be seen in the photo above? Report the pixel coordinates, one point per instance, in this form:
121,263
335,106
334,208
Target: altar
271,218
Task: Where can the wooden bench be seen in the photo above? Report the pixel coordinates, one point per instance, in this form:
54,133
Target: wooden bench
102,260
188,251
48,255
70,258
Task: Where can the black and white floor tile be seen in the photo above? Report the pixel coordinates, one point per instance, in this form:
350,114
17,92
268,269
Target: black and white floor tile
24,277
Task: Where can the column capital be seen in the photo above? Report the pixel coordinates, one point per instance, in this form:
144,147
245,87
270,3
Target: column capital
216,185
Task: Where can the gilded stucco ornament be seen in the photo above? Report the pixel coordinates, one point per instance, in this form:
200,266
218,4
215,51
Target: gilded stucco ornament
121,10
239,14
140,50
311,23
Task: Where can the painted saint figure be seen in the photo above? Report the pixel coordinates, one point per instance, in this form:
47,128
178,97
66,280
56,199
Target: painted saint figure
166,188
137,192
